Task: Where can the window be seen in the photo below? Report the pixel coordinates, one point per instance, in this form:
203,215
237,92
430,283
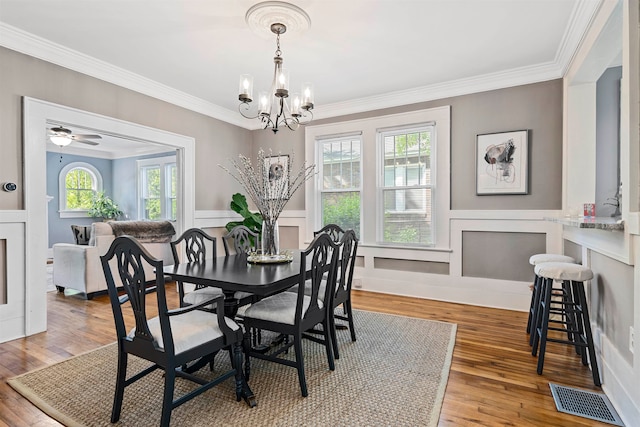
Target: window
386,176
340,177
158,188
407,188
78,183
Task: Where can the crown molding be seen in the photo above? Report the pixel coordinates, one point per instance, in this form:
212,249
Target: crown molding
476,84
581,17
38,47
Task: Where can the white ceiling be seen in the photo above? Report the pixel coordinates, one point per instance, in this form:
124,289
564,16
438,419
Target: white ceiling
360,54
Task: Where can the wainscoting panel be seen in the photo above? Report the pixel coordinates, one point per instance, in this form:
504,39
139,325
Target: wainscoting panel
12,271
500,255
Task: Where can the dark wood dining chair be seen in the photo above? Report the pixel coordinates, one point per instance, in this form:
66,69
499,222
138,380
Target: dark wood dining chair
242,239
344,281
293,314
195,242
333,230
171,339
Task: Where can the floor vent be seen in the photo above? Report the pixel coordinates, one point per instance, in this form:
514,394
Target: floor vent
584,403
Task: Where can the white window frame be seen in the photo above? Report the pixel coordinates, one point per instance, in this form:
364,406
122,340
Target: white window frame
381,133
162,163
62,189
370,127
319,154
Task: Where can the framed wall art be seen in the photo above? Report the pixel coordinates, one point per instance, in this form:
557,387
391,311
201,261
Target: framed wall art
502,163
277,175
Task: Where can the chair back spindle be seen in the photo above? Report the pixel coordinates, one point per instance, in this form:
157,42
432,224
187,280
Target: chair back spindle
242,238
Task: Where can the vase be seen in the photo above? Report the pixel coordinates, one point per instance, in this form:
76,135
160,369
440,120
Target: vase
270,237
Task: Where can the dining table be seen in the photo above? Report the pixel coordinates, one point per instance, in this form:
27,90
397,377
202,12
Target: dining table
235,272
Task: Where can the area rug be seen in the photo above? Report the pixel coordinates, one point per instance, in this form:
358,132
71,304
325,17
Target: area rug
395,374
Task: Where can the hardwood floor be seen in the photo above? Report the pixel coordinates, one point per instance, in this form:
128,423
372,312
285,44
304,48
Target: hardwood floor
493,380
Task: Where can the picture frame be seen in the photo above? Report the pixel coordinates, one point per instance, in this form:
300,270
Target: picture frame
502,163
276,169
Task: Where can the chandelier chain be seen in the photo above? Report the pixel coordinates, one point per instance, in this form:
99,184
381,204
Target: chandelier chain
278,51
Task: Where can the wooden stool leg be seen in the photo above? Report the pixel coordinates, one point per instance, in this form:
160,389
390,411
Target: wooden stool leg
584,310
538,315
572,315
544,322
535,297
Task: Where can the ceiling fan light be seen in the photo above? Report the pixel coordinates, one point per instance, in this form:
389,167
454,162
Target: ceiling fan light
61,141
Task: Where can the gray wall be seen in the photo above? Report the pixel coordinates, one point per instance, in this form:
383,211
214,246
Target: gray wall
612,295
607,139
500,255
22,75
59,228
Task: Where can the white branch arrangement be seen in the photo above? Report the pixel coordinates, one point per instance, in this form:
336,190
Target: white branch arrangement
270,186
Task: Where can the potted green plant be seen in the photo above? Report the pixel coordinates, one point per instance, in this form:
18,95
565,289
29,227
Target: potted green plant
103,207
252,220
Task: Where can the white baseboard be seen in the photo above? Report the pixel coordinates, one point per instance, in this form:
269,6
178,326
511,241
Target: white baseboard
503,294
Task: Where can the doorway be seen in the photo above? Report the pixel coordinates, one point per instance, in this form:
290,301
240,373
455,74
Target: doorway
36,115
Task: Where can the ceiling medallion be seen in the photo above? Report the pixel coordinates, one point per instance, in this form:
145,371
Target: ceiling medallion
260,17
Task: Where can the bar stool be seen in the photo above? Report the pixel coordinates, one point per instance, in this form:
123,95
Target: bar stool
573,305
535,295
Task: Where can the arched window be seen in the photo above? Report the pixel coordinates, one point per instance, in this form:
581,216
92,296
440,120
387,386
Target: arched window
78,182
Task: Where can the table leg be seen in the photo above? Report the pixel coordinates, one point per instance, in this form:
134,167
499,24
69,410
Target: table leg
230,304
243,390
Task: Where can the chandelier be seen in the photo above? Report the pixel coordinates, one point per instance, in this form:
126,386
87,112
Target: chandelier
277,108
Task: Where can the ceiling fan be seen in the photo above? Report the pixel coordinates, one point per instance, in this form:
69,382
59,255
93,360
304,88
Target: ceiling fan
62,136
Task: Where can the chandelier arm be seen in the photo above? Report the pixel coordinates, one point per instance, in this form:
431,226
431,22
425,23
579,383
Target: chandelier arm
283,119
246,107
307,116
266,121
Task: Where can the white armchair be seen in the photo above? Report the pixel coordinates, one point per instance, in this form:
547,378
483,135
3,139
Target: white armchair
78,266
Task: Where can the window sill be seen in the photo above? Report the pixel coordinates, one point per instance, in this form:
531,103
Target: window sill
73,214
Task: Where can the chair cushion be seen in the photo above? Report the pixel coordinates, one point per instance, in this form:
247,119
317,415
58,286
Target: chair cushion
81,233
540,258
189,329
199,295
307,289
280,308
563,271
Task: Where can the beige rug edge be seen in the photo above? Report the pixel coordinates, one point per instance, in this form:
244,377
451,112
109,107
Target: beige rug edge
444,378
28,394
41,404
